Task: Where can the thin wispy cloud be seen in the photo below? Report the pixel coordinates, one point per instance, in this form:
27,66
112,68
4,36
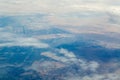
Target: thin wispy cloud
69,58
61,36
57,7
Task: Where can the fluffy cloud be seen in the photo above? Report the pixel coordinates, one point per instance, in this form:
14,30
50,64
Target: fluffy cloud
67,53
62,6
25,42
107,76
70,58
76,24
45,66
73,16
76,16
109,45
61,60
12,39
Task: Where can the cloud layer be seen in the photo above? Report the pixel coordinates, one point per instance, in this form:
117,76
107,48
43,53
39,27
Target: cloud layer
57,7
47,23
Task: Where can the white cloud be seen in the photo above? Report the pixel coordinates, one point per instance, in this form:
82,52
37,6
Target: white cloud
61,62
89,16
54,6
45,66
108,76
25,42
11,39
53,36
91,65
33,23
55,57
69,58
109,45
67,53
104,76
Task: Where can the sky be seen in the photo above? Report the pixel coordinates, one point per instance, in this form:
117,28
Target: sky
75,16
58,7
96,20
